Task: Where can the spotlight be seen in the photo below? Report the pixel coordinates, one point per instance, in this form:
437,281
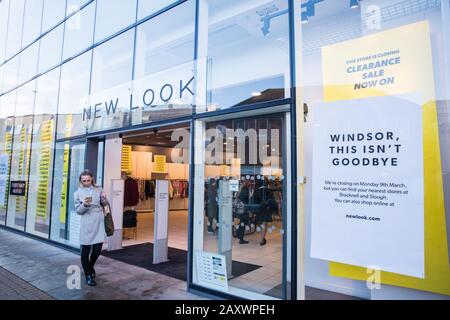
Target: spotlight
304,17
354,4
266,26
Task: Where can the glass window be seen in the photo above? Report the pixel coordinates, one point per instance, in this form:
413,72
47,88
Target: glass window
74,86
15,24
111,67
377,67
147,8
32,21
243,195
21,154
28,63
79,30
11,73
39,189
54,12
75,5
112,16
50,49
162,61
4,12
69,163
7,108
259,31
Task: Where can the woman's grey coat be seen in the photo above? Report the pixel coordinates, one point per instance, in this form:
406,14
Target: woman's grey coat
92,228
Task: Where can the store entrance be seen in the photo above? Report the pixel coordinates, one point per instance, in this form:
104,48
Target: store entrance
155,172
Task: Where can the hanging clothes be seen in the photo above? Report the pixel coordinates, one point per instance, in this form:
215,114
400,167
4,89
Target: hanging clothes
131,192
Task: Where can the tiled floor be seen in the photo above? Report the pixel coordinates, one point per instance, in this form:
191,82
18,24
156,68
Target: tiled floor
269,257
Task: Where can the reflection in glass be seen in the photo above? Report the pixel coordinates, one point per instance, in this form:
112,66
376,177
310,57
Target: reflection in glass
28,63
147,8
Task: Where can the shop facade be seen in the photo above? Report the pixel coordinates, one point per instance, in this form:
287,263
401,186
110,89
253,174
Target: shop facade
318,131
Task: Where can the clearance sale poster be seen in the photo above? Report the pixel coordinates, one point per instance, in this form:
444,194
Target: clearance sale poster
382,83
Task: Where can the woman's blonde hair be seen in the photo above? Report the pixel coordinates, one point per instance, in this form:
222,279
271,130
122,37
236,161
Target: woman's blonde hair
87,172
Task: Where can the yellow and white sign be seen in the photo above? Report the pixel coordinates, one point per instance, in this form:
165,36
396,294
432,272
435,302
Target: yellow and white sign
395,62
160,165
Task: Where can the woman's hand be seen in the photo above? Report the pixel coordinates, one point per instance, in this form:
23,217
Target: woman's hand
87,201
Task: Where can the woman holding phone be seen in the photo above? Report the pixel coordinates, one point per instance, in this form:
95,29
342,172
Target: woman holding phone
89,203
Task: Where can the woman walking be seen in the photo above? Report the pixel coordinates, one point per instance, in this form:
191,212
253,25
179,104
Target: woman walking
89,202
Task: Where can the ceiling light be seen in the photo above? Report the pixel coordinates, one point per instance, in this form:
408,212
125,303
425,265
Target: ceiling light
256,94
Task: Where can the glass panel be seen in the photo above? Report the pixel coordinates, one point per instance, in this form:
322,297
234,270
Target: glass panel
54,12
111,67
51,48
259,31
11,73
39,190
377,66
7,106
165,59
32,21
74,5
100,163
21,155
147,8
4,11
15,24
244,203
79,31
69,163
74,85
28,63
112,16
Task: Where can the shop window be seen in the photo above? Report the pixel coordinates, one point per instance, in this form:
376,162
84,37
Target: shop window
378,66
7,106
42,150
69,163
21,150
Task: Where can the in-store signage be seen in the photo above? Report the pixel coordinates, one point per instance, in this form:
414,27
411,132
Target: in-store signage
17,188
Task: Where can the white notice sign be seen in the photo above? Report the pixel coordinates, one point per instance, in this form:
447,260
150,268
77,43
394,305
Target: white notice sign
211,270
4,159
368,198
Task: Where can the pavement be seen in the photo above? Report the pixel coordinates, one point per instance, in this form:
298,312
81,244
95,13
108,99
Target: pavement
35,270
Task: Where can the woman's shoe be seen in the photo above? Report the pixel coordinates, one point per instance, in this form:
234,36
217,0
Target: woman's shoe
263,242
90,281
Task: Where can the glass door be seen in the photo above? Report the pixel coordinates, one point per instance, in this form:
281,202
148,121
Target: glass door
241,206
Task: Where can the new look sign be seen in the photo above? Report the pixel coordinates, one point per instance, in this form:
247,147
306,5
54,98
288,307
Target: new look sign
159,96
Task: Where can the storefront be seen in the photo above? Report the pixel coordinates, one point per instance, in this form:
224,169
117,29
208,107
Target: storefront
308,141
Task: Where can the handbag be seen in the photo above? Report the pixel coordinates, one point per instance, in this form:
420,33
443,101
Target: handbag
109,223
